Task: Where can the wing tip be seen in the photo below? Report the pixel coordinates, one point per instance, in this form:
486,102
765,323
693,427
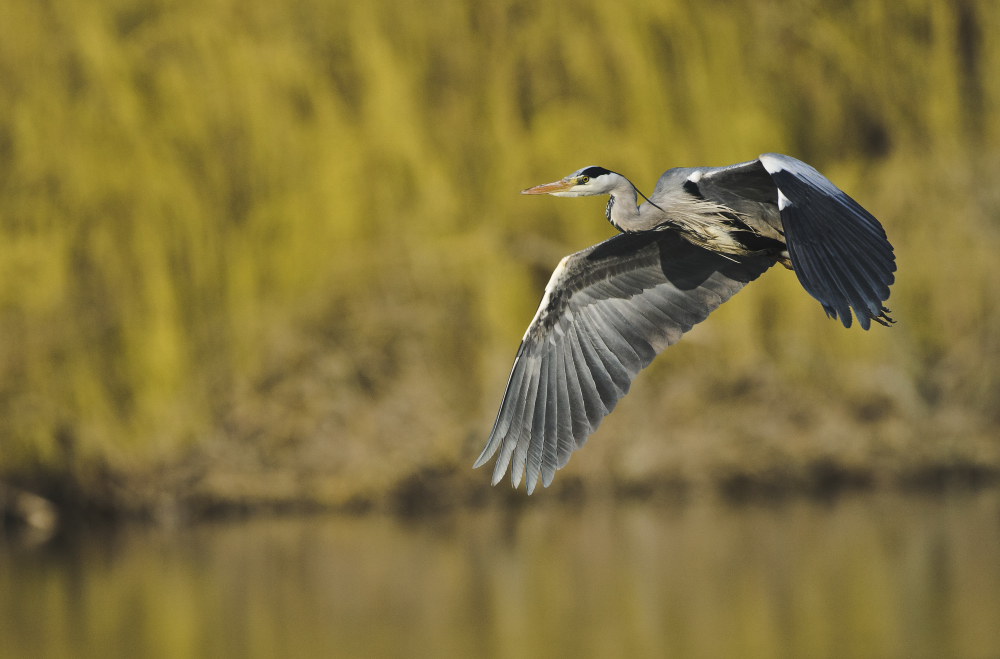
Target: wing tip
865,317
501,466
883,318
492,444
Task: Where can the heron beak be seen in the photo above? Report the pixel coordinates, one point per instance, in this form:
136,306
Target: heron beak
550,188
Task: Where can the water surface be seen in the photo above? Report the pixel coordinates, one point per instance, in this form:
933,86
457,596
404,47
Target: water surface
865,576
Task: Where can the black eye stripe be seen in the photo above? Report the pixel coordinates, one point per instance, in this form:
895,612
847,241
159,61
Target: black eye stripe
594,172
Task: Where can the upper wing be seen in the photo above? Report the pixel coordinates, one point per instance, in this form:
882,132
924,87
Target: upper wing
607,311
839,250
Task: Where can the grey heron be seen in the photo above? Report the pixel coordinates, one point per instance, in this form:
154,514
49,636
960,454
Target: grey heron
701,236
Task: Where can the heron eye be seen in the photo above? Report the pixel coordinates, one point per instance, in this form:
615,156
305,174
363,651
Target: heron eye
583,179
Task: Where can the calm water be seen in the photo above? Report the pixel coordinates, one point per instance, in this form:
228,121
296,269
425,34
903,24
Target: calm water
866,576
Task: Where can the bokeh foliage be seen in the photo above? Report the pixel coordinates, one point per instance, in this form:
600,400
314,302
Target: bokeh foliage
279,244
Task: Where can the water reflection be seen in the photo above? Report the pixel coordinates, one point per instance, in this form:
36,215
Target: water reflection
873,576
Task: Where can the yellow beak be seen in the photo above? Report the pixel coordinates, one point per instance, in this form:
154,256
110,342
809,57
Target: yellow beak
549,188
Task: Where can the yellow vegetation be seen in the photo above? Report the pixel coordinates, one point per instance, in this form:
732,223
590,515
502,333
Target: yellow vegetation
255,250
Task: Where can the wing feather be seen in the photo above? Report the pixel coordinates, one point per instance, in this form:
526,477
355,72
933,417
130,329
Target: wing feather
628,346
616,370
526,430
506,439
503,421
596,408
603,382
522,417
606,313
567,441
679,310
664,332
533,456
860,289
637,314
578,400
550,447
838,249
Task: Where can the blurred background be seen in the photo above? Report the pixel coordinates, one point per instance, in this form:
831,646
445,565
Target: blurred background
269,257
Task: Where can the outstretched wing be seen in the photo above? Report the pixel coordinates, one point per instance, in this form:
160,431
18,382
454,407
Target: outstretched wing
607,311
838,249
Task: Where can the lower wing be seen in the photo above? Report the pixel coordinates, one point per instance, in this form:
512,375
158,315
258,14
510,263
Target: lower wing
606,313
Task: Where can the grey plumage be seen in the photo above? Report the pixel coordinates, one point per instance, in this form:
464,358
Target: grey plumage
702,235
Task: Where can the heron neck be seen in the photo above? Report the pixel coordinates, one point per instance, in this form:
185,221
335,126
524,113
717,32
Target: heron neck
623,210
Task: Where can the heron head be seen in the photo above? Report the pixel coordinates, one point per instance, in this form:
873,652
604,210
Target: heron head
581,183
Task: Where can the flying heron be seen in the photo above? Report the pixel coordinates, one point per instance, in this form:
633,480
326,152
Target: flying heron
702,235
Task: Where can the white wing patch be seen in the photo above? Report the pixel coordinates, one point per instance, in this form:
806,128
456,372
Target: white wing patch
776,162
783,201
